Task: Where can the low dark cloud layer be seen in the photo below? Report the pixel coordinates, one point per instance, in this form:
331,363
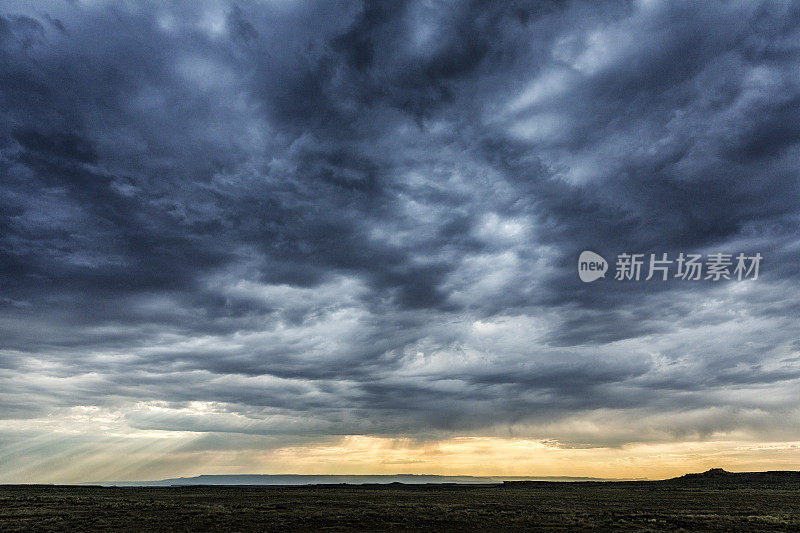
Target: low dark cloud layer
340,218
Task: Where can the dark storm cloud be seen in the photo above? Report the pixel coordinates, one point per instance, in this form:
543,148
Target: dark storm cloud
383,204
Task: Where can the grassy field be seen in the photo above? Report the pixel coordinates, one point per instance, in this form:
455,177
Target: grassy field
553,506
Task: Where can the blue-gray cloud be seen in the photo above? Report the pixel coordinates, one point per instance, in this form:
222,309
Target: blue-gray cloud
334,218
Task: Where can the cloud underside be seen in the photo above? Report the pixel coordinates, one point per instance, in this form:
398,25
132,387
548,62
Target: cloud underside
291,222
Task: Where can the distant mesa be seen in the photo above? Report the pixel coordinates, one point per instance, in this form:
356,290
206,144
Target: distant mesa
714,478
722,478
712,472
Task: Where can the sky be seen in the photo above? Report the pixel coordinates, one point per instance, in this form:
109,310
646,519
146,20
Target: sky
342,237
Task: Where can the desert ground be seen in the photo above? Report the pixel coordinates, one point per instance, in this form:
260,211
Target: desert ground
634,506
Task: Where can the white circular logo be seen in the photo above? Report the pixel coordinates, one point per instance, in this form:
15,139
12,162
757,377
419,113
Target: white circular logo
591,266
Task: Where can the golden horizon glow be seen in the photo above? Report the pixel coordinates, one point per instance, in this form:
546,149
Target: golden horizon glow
149,457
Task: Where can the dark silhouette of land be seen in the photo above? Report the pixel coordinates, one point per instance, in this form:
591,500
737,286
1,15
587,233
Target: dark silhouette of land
715,500
715,478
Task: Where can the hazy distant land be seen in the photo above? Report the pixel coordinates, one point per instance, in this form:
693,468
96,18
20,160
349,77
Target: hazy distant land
714,475
299,479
